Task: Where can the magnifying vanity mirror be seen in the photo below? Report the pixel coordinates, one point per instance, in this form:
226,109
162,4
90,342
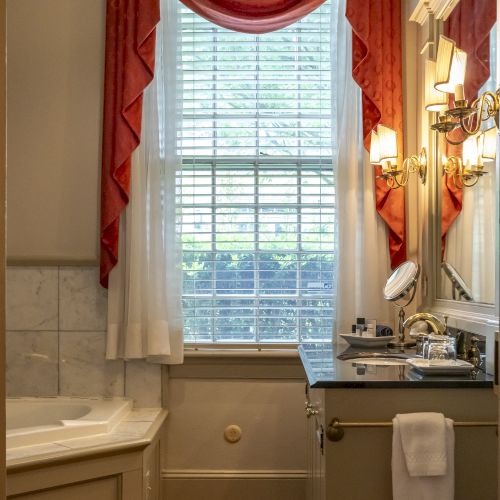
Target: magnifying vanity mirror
400,289
468,225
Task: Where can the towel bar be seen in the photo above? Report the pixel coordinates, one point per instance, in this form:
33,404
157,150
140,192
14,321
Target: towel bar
335,429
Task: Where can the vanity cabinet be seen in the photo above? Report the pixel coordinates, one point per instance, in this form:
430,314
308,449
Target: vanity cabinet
359,465
315,445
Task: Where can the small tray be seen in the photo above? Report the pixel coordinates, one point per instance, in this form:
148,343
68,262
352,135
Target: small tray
441,367
357,341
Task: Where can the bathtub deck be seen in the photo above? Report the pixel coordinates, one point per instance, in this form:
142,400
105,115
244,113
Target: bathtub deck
134,431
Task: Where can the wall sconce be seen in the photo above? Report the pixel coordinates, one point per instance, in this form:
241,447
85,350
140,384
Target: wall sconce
466,172
449,79
435,100
384,152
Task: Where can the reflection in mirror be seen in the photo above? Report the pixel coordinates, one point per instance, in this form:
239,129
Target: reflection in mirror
460,288
402,285
468,213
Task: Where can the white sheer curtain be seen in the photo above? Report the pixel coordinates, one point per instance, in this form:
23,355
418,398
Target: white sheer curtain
363,255
470,241
144,299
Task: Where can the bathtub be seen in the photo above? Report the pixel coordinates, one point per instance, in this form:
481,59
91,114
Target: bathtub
33,421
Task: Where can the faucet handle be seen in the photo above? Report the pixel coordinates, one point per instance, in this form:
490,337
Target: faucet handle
474,354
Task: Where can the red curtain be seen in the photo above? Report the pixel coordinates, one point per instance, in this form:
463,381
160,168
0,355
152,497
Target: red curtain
469,25
129,67
253,16
377,68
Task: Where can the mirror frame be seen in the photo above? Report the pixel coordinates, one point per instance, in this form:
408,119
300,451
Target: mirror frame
474,317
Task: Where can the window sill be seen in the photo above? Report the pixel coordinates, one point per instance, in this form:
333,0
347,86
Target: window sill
250,352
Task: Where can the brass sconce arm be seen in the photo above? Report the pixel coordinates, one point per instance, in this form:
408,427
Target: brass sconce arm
462,177
469,119
414,164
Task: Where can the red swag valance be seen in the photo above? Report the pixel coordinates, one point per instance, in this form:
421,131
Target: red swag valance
129,67
253,16
377,68
469,25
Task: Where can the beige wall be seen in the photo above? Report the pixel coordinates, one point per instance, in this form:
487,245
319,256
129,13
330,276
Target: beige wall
55,70
265,398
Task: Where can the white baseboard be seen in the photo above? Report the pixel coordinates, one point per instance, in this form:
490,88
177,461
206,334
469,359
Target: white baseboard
194,484
232,474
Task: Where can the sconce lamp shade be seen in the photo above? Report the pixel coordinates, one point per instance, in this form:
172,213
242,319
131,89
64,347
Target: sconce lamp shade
450,66
388,149
487,144
374,149
470,152
434,99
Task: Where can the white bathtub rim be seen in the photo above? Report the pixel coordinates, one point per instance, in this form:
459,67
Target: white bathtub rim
103,417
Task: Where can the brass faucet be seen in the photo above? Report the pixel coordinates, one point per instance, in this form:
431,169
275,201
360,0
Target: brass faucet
438,327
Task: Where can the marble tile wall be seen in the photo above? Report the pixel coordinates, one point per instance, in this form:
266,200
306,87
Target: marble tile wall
56,334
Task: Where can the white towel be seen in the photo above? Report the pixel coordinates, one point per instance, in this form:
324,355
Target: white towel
423,446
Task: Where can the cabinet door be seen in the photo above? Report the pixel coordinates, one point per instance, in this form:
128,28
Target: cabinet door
101,489
315,447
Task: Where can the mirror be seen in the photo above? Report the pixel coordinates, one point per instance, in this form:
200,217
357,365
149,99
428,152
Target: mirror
402,280
460,288
402,285
468,223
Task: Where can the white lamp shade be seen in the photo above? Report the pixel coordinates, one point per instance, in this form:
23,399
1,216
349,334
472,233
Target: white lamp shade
374,149
469,152
487,144
450,66
388,149
434,99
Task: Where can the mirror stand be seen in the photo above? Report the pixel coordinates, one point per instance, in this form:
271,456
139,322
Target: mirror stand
401,343
402,284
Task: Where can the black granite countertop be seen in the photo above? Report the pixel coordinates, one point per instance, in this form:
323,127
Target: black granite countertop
324,370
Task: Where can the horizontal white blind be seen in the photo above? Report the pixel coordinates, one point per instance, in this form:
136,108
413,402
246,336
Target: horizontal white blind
257,192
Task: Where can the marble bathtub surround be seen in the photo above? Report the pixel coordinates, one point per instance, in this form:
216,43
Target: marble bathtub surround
143,383
32,364
32,298
82,302
56,319
83,369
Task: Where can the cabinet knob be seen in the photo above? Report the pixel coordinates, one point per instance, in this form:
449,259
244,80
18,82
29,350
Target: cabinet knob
311,410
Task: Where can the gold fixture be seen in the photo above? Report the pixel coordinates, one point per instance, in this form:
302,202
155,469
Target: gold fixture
437,326
335,429
467,171
449,77
384,152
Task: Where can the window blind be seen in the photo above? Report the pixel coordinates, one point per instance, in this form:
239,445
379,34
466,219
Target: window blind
256,188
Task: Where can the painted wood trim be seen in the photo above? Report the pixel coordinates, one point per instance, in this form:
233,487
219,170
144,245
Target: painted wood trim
2,238
131,485
62,474
233,474
440,9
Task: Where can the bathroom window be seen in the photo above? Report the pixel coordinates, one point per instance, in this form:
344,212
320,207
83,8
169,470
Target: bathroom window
257,189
